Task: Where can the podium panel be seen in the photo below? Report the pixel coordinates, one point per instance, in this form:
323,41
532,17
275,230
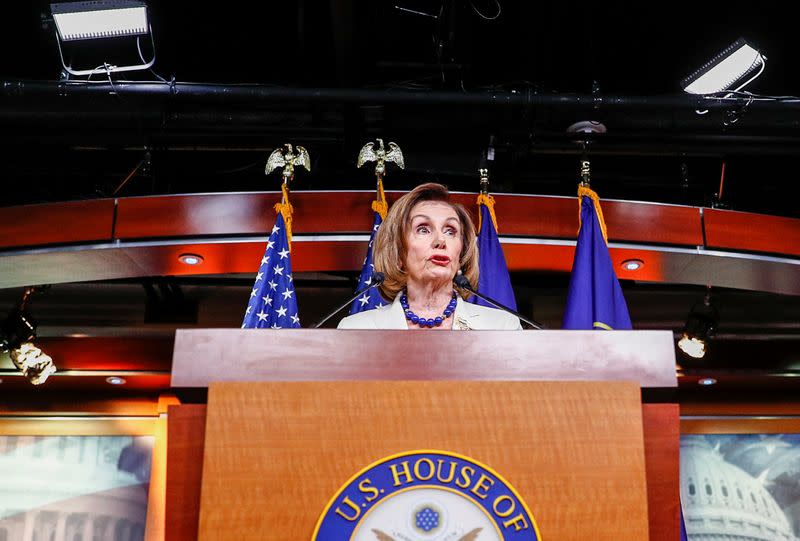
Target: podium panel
277,452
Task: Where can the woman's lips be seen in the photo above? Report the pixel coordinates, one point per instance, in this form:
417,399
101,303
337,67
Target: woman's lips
441,260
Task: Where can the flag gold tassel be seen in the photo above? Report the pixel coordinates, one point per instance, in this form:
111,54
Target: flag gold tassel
379,205
585,190
285,209
488,201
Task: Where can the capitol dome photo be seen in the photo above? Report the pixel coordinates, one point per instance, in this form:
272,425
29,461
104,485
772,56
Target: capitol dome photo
723,502
73,488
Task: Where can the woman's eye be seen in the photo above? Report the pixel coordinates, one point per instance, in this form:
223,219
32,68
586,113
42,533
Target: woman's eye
451,231
422,229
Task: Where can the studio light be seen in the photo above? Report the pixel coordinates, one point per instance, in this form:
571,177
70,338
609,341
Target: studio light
700,326
35,364
732,69
98,20
16,335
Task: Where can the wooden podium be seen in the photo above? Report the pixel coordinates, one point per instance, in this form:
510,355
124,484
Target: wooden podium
292,415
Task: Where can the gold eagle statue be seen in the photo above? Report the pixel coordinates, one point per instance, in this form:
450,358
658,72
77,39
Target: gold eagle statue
369,153
287,158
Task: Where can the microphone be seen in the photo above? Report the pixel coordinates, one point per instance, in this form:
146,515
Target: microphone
375,280
463,282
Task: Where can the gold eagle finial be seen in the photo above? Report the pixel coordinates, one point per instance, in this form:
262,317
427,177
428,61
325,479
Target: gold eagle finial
287,158
369,153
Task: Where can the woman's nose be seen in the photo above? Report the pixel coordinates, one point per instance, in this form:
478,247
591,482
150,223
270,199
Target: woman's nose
438,239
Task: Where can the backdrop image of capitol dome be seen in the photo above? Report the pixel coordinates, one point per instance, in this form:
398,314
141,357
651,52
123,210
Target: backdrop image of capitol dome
72,488
741,486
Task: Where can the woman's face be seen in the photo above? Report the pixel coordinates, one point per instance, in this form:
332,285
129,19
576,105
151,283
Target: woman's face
433,243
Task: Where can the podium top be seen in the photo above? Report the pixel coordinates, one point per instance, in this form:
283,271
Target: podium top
202,356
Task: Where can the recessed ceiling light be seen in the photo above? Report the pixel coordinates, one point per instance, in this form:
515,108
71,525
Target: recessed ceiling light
190,259
632,264
115,380
706,381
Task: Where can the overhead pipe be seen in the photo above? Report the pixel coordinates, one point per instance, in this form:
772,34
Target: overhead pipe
259,94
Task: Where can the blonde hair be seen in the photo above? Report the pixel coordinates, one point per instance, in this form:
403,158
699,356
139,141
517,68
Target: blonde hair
390,248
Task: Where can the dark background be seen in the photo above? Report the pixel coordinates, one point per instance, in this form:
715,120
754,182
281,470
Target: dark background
625,49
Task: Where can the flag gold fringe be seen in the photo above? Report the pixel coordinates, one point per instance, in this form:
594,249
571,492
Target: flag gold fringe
285,209
379,205
584,190
488,201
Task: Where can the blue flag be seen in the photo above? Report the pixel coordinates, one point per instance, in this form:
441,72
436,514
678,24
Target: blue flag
372,298
683,536
493,280
272,302
594,299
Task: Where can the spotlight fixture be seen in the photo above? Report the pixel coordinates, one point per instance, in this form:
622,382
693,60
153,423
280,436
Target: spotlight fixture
632,264
115,380
35,364
190,259
102,19
732,69
16,335
700,326
706,381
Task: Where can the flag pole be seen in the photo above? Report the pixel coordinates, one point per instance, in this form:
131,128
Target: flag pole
273,303
366,298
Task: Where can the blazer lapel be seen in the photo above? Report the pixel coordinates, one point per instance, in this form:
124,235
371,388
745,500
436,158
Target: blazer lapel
394,317
463,317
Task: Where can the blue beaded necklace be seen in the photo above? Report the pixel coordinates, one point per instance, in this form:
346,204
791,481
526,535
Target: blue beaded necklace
421,321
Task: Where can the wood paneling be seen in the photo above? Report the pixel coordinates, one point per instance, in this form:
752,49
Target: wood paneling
238,214
717,407
62,404
156,495
109,353
77,426
740,425
743,231
662,460
652,223
186,432
276,453
628,221
94,383
220,226
329,212
242,257
57,223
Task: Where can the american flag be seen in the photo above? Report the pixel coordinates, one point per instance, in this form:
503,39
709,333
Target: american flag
372,298
273,303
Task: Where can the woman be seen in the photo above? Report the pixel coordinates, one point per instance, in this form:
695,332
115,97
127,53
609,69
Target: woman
424,241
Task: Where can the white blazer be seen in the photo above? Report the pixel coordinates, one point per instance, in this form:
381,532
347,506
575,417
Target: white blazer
467,316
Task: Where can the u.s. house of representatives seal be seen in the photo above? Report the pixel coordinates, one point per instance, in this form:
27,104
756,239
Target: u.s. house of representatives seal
426,496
